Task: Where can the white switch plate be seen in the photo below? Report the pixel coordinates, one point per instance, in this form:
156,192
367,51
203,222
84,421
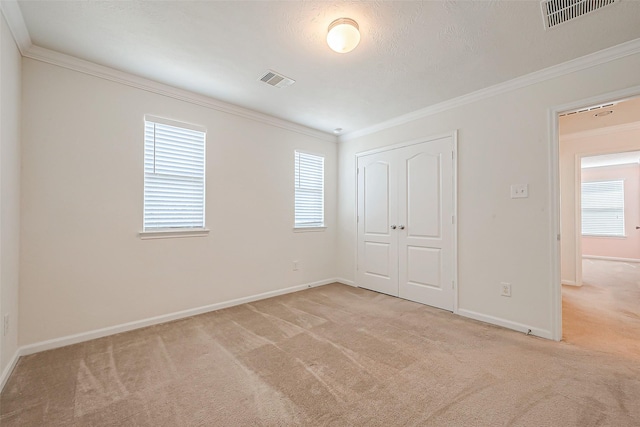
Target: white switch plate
519,191
505,289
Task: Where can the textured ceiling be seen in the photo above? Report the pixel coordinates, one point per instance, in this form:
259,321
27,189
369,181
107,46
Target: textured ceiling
412,55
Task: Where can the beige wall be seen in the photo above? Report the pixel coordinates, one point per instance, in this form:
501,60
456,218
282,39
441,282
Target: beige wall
503,140
10,85
627,247
572,147
84,266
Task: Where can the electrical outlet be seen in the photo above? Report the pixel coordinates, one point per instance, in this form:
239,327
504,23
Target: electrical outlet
6,324
520,191
296,265
505,289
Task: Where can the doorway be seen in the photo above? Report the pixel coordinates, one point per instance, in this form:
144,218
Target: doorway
599,170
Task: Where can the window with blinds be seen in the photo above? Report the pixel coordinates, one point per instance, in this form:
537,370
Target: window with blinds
309,194
174,186
603,208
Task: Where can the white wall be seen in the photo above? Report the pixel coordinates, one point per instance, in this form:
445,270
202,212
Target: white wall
600,141
10,85
83,265
503,140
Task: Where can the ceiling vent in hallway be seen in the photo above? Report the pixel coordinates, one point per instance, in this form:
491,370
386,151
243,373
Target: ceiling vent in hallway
555,12
585,109
274,79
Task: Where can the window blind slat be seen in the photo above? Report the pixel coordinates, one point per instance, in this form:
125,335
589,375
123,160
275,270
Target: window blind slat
309,190
174,161
603,208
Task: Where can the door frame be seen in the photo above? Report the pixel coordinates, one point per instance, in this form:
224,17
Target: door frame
453,134
578,204
554,194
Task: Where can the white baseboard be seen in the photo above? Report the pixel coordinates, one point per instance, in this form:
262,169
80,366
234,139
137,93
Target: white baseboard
111,330
610,258
543,333
569,282
9,369
346,282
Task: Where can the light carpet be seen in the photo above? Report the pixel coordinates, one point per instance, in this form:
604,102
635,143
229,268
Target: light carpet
332,355
604,313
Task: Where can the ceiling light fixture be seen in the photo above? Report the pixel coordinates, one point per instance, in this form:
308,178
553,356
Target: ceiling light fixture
343,35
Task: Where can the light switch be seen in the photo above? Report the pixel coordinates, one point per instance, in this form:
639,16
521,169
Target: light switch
519,191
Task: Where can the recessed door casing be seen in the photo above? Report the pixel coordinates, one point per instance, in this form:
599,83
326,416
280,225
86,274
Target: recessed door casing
405,222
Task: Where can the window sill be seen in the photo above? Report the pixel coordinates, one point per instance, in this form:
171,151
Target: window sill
172,234
308,229
604,236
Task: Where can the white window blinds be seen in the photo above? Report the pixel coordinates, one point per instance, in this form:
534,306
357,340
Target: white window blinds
309,195
174,161
603,208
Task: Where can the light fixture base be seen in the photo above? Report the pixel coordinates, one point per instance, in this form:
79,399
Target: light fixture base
344,21
343,35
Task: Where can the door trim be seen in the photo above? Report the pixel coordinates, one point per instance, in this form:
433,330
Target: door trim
416,141
578,204
454,135
555,296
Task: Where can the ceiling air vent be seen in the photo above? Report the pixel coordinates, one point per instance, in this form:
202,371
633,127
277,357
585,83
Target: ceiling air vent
585,109
274,79
555,12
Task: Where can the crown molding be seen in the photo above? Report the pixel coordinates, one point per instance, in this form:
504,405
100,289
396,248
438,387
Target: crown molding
597,58
13,15
72,63
625,127
15,21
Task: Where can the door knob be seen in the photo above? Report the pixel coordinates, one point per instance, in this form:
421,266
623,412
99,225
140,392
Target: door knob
393,227
401,227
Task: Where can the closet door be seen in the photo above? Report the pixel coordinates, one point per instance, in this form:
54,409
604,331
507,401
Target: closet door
377,231
425,223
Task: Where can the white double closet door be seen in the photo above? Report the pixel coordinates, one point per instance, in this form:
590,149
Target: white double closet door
406,235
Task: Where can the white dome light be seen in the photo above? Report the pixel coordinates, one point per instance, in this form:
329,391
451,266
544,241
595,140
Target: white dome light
343,35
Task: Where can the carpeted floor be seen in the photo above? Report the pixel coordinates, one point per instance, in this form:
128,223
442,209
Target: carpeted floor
604,313
333,355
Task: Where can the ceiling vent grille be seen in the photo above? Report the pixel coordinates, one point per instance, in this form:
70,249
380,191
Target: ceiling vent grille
585,109
275,79
555,12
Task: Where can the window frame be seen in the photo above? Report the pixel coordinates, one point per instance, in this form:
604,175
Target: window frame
174,232
309,228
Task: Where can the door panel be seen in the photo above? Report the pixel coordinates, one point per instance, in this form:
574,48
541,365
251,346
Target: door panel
423,195
376,198
424,267
377,207
426,248
405,228
376,258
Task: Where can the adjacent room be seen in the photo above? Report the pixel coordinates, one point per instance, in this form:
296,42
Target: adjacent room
600,179
343,213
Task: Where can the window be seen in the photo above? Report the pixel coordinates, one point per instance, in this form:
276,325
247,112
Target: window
309,197
603,208
174,159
